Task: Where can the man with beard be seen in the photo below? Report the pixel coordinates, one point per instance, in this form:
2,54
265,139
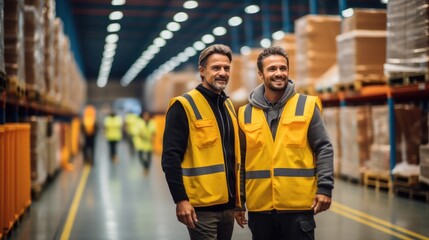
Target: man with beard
287,157
201,151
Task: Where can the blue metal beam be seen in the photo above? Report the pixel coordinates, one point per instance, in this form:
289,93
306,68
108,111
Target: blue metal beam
287,27
266,18
313,6
248,27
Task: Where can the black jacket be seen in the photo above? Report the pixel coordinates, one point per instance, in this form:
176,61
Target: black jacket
175,141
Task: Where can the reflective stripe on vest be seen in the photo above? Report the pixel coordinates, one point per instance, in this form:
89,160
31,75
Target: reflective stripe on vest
193,105
203,170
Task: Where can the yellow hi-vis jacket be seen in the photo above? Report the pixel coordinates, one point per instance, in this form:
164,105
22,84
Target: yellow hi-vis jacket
113,128
203,166
280,173
143,138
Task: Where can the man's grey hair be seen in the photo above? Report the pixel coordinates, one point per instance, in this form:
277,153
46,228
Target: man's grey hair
216,48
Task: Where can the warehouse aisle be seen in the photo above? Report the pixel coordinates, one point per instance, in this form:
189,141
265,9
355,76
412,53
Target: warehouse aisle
119,201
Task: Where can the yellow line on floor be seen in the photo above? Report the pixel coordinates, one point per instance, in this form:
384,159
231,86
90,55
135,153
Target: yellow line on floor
65,235
340,208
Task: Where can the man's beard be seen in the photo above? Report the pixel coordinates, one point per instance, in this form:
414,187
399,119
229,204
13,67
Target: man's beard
216,86
272,87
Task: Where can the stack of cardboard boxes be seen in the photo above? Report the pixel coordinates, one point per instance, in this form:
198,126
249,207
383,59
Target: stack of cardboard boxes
362,46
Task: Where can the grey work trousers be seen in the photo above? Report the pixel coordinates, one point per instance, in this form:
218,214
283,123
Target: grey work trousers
213,225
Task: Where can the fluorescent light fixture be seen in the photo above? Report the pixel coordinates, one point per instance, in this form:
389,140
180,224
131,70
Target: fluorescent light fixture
116,15
198,45
265,43
180,17
112,38
182,57
109,54
278,35
113,27
190,4
348,12
208,38
219,31
110,46
384,1
159,42
166,34
173,26
190,51
251,9
118,2
235,21
245,50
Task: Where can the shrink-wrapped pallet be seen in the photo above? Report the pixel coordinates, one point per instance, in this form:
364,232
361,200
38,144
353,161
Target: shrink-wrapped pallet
34,47
408,37
14,43
49,54
315,46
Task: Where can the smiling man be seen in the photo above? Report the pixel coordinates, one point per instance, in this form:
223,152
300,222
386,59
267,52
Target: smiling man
201,152
287,157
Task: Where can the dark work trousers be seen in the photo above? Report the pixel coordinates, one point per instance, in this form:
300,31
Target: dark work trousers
213,225
145,158
282,226
88,149
112,148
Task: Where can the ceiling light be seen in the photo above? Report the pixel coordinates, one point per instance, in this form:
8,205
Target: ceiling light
208,38
109,54
235,21
348,12
190,51
384,1
118,2
198,45
251,9
180,17
190,4
278,35
159,42
112,38
182,57
113,27
110,46
116,15
166,34
245,50
265,43
219,31
173,26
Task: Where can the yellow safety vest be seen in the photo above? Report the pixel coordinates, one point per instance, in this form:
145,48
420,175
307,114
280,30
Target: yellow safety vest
143,139
280,173
113,128
203,166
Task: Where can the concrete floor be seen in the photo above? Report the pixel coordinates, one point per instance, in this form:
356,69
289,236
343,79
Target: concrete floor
119,201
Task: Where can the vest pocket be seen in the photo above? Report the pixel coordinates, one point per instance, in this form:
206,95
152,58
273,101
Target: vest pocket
206,134
295,131
255,139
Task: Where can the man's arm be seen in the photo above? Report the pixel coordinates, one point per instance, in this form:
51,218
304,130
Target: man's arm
321,145
240,216
174,146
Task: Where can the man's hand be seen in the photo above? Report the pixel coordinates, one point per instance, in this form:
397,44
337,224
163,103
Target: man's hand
240,217
186,214
321,203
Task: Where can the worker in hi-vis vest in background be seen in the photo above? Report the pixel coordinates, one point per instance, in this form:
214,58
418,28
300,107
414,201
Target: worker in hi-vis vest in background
113,133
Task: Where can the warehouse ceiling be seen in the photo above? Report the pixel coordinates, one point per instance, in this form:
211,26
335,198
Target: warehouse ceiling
144,20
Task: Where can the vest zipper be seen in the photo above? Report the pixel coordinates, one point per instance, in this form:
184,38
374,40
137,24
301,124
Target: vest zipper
223,147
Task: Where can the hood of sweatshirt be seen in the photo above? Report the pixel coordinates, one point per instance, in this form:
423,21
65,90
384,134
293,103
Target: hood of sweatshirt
257,97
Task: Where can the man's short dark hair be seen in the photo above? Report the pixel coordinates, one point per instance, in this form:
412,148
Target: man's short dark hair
269,52
216,48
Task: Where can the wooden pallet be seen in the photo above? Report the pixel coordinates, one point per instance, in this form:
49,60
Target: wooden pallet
405,181
358,85
378,180
351,179
33,93
15,87
406,78
419,191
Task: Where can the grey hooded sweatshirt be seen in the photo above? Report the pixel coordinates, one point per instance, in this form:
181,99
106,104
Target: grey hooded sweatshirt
317,135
